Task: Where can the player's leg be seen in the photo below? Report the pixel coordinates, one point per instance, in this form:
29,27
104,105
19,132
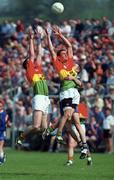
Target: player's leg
83,153
2,154
37,119
67,116
44,122
89,158
46,129
76,120
79,128
44,125
50,126
71,145
66,113
69,128
50,129
79,142
38,109
35,128
51,145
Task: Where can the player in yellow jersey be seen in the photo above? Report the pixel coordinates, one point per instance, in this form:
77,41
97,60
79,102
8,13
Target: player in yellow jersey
34,74
69,95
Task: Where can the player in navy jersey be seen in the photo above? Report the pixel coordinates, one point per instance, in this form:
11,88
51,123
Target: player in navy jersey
4,122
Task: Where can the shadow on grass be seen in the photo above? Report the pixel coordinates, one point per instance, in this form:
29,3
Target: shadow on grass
20,174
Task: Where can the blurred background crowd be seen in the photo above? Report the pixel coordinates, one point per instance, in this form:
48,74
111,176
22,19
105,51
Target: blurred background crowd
93,47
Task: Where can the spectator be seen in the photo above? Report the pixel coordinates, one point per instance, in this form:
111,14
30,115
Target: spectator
99,115
108,122
99,102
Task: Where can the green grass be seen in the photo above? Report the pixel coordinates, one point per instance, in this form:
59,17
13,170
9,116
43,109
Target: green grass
50,166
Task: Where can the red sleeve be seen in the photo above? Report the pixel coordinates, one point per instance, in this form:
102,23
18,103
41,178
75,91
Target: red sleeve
30,70
70,62
83,110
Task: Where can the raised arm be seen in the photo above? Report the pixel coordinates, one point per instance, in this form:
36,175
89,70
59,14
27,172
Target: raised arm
51,48
39,48
39,54
31,45
66,41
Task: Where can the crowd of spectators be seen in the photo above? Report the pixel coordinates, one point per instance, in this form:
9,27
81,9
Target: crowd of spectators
93,47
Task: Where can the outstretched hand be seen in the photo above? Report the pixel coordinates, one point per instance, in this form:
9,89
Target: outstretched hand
57,31
30,32
46,31
37,33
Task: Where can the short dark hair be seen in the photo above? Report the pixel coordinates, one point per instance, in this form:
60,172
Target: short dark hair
25,63
108,109
59,51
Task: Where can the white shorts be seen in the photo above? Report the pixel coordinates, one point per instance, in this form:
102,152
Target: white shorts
41,103
71,93
76,131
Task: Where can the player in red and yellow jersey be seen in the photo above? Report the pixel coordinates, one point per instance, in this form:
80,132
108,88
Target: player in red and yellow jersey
34,74
69,95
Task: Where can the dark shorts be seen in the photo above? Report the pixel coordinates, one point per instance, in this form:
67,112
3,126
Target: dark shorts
2,135
67,102
107,133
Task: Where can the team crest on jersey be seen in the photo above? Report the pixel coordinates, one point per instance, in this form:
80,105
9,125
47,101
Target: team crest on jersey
38,77
65,73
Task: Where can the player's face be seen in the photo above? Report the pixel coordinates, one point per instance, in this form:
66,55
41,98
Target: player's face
36,67
63,56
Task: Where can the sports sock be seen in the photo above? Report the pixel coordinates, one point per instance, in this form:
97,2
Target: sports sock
85,146
80,145
70,158
1,154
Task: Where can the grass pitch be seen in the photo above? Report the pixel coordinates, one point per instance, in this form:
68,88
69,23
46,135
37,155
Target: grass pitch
50,166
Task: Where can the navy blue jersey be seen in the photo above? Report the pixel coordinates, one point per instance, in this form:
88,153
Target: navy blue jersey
2,121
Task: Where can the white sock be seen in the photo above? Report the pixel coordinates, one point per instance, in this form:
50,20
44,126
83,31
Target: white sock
1,154
89,158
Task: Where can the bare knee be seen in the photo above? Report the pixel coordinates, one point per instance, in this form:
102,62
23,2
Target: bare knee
72,144
68,114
